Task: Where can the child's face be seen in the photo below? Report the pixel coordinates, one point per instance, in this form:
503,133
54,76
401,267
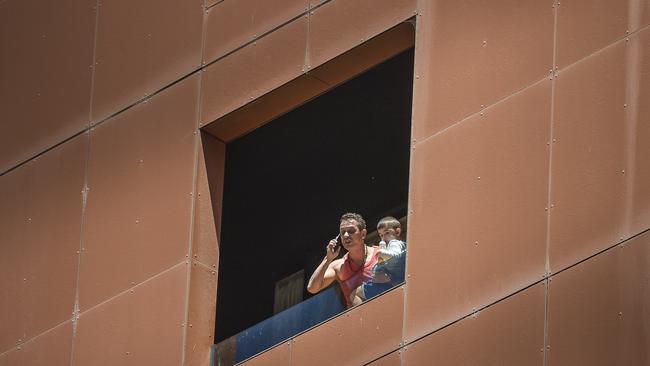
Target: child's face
387,234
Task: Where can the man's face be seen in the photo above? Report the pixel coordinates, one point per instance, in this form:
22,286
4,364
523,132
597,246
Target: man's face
350,234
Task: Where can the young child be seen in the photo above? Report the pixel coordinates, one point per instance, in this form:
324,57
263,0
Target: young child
389,271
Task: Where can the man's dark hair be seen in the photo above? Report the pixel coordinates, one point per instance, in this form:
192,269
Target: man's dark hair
388,222
361,223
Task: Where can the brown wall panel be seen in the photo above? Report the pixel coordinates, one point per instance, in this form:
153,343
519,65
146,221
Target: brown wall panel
477,231
207,211
598,310
638,55
254,70
359,59
356,337
201,315
471,53
47,50
278,356
230,24
341,25
52,236
510,332
264,109
584,26
141,47
143,326
140,176
205,251
50,348
588,180
13,224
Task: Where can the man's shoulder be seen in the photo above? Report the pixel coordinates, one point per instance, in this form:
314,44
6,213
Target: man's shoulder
337,263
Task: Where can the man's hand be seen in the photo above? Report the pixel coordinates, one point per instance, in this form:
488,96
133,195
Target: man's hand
332,250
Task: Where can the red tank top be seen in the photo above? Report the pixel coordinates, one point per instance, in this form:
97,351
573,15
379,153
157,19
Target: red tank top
351,276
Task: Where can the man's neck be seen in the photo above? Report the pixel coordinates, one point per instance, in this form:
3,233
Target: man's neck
357,254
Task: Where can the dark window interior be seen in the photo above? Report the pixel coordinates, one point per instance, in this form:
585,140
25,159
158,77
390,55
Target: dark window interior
288,182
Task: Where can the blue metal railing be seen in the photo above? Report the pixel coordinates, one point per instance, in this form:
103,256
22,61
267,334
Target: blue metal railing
278,328
292,321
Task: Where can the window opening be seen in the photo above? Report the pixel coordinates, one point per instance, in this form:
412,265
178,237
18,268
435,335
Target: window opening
286,185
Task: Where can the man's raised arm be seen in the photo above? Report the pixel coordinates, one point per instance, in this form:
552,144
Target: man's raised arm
324,274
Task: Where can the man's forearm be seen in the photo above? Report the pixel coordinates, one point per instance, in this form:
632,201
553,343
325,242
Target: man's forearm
317,278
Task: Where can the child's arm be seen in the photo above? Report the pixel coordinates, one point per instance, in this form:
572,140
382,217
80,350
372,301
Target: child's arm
393,249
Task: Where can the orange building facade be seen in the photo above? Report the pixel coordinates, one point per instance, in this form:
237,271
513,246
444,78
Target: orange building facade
529,186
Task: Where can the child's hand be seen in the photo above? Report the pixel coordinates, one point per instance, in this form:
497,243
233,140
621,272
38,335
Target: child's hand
380,277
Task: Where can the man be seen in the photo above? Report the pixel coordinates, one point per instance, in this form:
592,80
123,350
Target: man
356,266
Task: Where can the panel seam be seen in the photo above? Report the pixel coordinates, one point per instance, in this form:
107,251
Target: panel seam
82,232
39,335
550,144
409,208
631,119
194,194
484,109
93,66
203,265
307,61
123,292
624,38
